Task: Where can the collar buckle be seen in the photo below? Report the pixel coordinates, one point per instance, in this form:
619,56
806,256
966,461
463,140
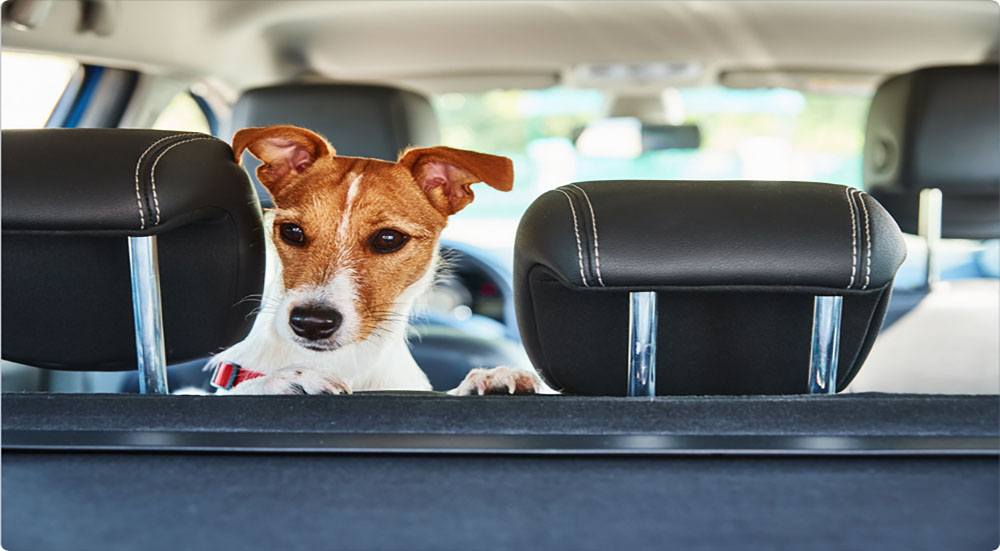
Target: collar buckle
225,374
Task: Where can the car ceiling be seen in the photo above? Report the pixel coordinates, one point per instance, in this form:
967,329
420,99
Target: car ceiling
444,46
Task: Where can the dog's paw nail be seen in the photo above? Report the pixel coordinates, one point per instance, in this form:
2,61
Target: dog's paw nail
500,380
337,387
334,389
296,388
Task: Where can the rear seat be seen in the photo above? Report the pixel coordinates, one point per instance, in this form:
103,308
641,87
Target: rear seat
938,128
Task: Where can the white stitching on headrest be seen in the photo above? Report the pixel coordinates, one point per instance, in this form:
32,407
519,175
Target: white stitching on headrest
868,241
854,236
597,250
138,164
576,230
152,171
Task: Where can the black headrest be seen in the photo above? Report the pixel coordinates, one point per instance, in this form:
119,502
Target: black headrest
736,265
938,128
70,200
359,120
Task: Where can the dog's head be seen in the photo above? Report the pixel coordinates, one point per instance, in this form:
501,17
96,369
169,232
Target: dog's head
357,238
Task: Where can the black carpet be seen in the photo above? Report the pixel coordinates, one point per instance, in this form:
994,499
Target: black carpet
851,414
171,502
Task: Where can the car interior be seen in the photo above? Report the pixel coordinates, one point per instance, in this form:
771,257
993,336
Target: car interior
755,246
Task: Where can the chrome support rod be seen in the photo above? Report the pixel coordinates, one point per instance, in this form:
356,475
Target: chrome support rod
929,228
642,344
146,308
825,344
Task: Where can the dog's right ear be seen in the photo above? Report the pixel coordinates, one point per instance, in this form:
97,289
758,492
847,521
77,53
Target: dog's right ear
284,151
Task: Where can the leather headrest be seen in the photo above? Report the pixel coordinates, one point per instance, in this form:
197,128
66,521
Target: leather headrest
938,127
736,266
629,234
71,197
359,120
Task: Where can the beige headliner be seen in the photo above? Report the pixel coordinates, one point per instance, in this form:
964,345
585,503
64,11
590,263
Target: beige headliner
440,46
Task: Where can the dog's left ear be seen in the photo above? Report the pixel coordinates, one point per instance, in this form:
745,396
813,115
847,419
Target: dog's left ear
445,174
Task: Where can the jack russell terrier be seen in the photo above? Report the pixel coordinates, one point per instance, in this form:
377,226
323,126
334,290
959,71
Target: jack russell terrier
354,242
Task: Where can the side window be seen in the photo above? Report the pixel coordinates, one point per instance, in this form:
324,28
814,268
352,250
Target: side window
31,85
183,113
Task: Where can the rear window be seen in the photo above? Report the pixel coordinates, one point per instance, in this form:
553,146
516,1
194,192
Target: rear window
561,135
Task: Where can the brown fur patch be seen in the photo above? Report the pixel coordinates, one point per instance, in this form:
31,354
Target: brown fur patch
386,197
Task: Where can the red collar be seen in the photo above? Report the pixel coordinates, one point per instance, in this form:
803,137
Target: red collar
228,375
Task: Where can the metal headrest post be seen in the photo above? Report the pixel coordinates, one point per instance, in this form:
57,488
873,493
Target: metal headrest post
147,310
825,349
642,344
929,228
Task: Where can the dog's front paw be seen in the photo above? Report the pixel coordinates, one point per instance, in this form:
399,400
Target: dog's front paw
293,380
499,380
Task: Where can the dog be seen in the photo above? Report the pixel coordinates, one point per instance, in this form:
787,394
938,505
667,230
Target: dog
353,243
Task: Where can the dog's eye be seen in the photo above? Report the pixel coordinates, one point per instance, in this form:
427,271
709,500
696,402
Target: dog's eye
292,234
388,241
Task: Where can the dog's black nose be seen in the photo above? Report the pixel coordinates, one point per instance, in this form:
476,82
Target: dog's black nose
314,322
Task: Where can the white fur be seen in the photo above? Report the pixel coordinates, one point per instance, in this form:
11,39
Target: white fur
345,219
499,380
